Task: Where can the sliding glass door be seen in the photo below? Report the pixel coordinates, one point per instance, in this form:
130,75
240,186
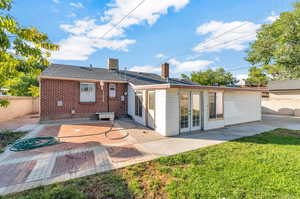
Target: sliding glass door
190,111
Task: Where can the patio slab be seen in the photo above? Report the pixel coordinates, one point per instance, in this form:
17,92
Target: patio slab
128,143
12,174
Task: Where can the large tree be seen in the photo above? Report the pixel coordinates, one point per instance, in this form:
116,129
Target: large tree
256,77
211,77
277,48
22,49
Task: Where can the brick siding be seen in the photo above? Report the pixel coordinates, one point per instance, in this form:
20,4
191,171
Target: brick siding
68,92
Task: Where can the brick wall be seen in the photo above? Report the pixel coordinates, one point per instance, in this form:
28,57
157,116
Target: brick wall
68,92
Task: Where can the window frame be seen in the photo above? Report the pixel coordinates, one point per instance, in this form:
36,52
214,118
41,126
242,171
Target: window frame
112,94
138,103
215,103
94,90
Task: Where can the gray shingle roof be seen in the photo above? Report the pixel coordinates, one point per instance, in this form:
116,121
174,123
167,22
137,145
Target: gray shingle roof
136,78
284,85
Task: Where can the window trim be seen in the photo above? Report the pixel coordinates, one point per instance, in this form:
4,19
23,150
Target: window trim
95,92
216,118
138,113
115,91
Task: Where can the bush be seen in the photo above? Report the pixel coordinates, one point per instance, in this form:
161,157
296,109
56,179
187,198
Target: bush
69,192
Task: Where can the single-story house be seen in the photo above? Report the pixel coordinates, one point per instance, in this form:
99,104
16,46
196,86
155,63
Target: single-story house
284,98
169,105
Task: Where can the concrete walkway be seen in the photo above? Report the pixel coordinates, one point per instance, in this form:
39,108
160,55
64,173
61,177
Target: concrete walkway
25,172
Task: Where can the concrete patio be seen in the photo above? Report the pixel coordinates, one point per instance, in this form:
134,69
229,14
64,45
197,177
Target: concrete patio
127,143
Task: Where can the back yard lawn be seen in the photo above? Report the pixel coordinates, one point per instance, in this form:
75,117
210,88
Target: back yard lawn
261,166
8,137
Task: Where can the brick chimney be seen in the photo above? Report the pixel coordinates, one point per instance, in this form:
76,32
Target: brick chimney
113,64
165,70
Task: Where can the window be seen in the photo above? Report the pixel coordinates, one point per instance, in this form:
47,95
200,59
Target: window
112,90
139,104
87,92
215,105
151,100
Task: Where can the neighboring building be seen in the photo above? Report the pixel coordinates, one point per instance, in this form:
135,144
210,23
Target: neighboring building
284,98
168,105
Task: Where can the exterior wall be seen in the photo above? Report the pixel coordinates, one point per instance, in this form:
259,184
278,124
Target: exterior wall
241,107
160,111
210,123
131,106
172,112
18,107
282,103
68,92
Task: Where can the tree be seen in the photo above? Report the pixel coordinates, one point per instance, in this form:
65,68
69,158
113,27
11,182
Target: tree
277,48
24,84
22,49
212,78
256,77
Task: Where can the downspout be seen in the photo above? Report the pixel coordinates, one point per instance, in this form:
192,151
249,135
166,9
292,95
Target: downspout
107,97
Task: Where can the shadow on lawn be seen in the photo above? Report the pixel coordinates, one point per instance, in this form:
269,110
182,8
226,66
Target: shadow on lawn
108,185
278,136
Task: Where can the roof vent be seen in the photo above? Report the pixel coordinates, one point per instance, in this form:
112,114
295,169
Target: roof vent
113,64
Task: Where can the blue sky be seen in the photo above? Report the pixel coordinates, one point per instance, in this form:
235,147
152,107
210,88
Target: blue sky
190,34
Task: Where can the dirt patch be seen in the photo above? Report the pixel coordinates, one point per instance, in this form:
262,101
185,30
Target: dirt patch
123,153
288,132
73,162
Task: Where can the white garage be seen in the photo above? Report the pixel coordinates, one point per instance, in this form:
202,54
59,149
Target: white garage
176,109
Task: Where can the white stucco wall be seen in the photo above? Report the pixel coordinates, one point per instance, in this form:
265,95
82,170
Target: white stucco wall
241,107
282,103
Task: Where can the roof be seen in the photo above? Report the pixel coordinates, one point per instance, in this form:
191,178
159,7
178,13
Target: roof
198,86
138,79
284,85
60,71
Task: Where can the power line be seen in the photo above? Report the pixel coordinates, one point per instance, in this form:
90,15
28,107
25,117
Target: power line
115,26
228,31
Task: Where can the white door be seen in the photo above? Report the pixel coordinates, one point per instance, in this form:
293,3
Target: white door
151,109
190,111
195,111
185,119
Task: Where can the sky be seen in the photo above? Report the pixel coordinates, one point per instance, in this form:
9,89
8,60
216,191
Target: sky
191,35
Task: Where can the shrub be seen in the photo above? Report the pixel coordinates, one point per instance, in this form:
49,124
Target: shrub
69,192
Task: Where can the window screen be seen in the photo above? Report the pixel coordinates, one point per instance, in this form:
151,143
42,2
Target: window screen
215,100
139,104
87,92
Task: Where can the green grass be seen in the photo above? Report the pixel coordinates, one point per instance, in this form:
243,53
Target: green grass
8,137
265,166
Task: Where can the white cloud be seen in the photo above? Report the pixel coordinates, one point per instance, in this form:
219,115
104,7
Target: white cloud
160,56
93,29
273,17
56,1
176,67
76,5
241,78
145,69
244,31
79,48
189,66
